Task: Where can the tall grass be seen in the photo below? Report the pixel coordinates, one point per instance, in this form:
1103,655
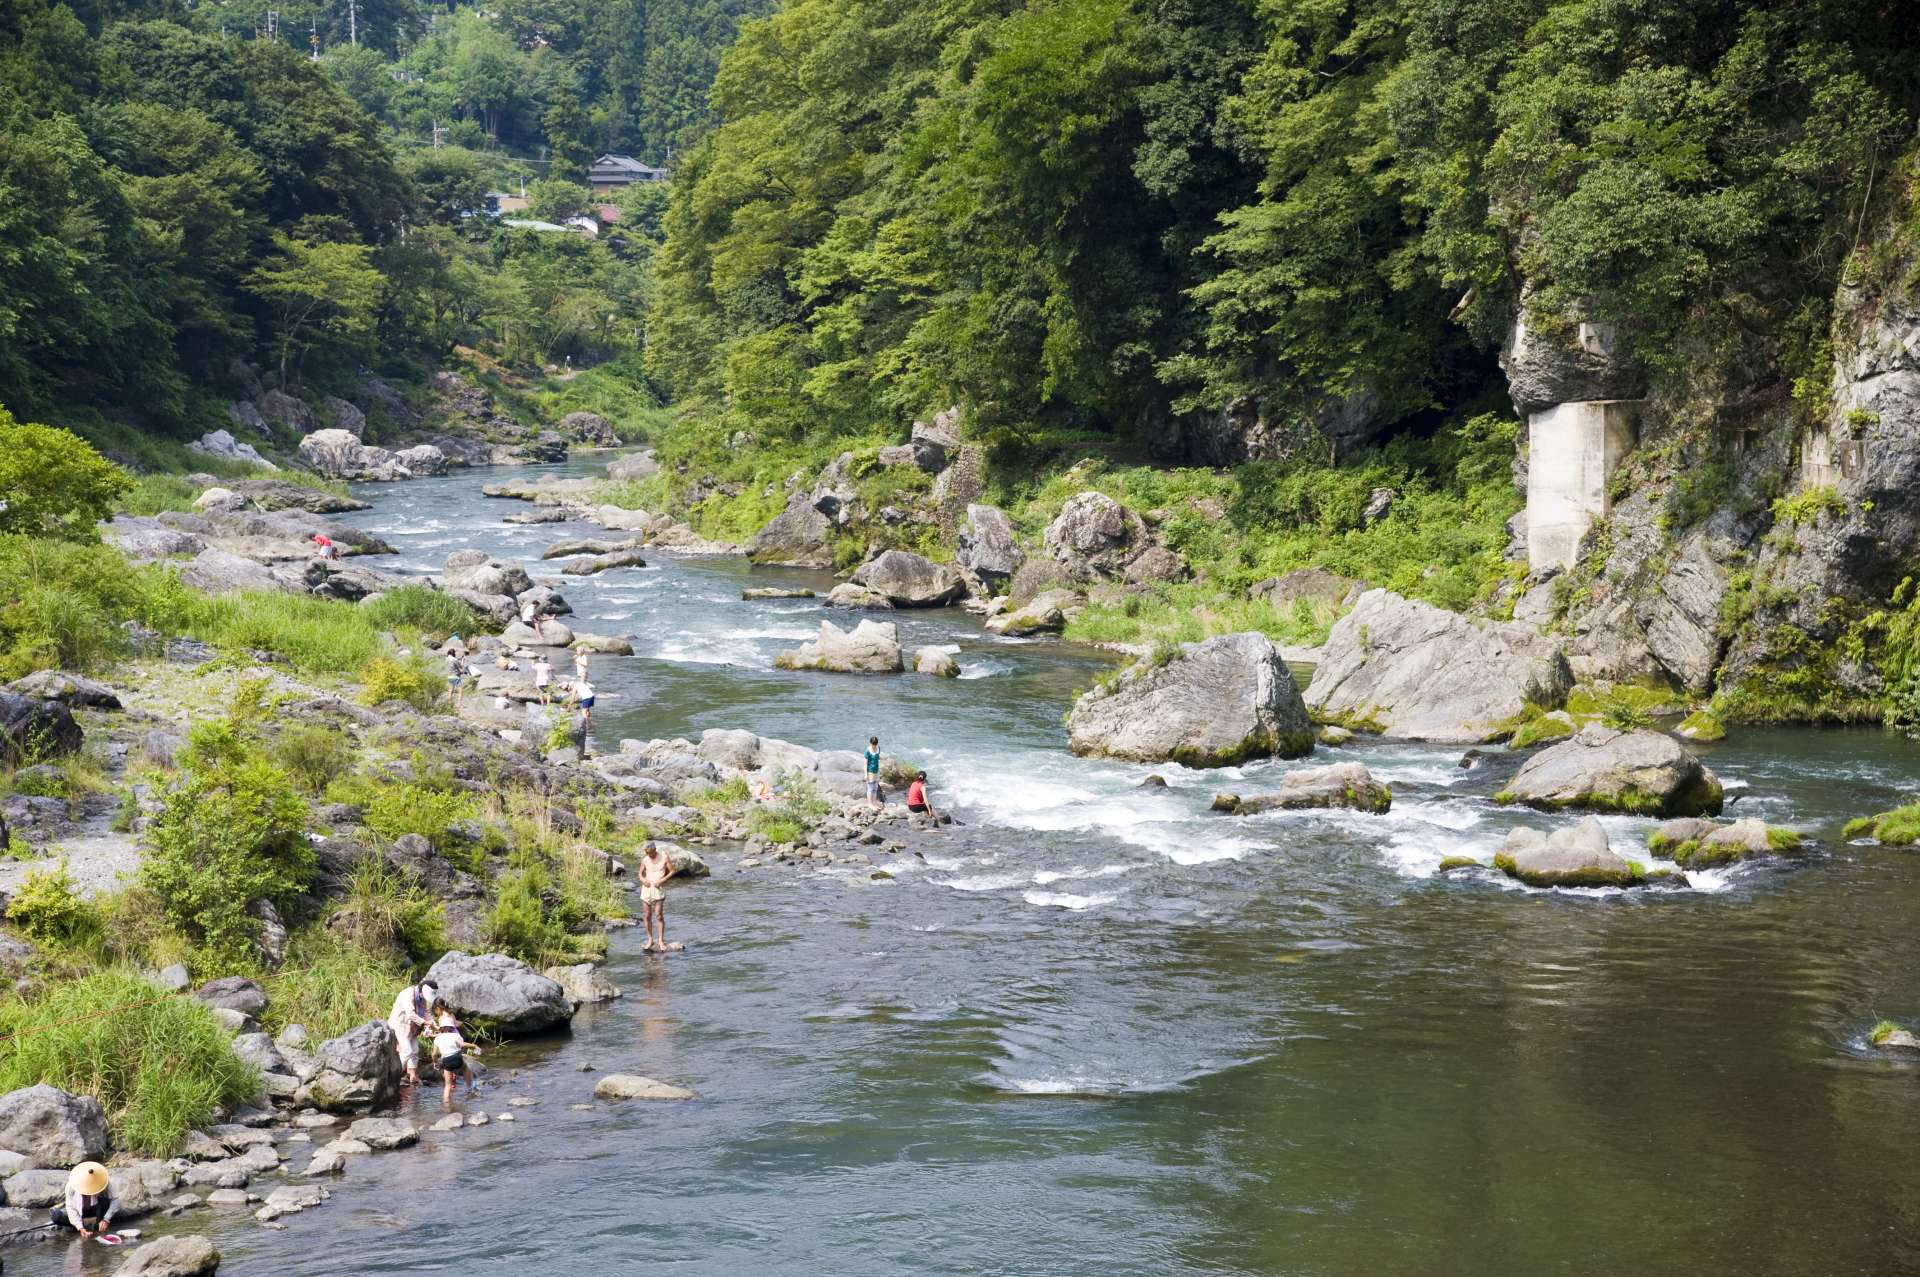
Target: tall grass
159,1065
319,636
416,607
330,985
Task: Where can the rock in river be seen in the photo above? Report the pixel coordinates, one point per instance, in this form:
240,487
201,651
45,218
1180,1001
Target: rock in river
1574,857
188,1256
1602,769
1405,668
936,661
1215,704
1348,785
630,1086
506,993
49,1127
584,983
871,647
602,562
910,580
359,1069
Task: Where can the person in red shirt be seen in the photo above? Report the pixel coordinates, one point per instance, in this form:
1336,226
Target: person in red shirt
917,797
327,548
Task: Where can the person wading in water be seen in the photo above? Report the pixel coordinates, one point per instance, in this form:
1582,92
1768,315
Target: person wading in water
655,869
411,1013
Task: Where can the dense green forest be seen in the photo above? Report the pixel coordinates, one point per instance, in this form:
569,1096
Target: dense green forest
1104,213
179,192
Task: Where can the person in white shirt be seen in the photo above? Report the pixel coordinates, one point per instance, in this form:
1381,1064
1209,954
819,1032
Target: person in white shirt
543,677
410,1013
583,695
450,1052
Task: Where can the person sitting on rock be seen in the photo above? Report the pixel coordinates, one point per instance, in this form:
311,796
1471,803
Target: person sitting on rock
409,1015
450,1051
89,1203
917,798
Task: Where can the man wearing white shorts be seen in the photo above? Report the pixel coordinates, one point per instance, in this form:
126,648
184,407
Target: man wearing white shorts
655,869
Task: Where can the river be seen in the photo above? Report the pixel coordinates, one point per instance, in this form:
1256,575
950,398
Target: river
1113,1034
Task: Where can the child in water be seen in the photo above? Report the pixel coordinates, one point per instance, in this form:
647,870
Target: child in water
450,1052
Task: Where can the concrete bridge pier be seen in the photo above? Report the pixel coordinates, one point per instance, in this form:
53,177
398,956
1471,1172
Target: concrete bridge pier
1572,450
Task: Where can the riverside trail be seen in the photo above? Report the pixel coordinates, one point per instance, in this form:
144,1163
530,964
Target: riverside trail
1098,1030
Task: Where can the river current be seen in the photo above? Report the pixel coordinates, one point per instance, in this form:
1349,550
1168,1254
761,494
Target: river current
1111,1033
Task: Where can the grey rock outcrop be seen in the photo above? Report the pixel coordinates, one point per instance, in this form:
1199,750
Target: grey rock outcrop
289,414
191,1255
68,689
1409,669
1576,362
1214,704
51,1128
1345,785
584,983
910,580
936,661
796,537
422,461
479,573
33,729
630,1086
358,1070
871,647
1602,769
1045,613
218,571
505,993
278,494
591,564
1310,584
337,454
589,428
858,598
342,415
234,993
1096,538
221,445
1578,856
987,546
633,467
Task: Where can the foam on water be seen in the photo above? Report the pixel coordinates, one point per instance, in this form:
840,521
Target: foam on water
1067,900
1047,876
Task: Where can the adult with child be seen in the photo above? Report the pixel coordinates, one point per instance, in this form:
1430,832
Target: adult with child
88,1204
655,868
412,1012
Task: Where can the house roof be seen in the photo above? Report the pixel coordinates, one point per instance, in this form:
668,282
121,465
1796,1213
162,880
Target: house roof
611,167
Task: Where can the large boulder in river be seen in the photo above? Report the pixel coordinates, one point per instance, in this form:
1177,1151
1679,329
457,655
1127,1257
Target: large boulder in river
1575,857
1046,613
422,461
337,454
796,537
871,647
987,546
480,573
49,1127
505,993
1214,704
358,1070
191,1255
33,729
1347,785
1405,668
910,580
1602,769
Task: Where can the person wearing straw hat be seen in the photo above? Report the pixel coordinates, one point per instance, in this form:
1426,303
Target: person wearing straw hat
89,1205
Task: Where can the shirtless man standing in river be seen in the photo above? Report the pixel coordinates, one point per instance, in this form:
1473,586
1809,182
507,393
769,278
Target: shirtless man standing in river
655,869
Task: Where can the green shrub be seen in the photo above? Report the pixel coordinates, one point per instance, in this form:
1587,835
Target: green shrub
320,636
52,482
518,923
1897,828
395,809
330,984
62,604
47,908
312,754
386,679
386,913
1882,1031
425,611
159,1065
231,832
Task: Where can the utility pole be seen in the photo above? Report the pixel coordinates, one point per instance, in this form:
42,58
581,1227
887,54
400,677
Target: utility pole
273,24
353,23
313,38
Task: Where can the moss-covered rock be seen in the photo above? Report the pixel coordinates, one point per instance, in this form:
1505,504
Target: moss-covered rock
1888,1036
1702,724
1601,769
1897,828
1211,704
1344,785
1578,856
1454,864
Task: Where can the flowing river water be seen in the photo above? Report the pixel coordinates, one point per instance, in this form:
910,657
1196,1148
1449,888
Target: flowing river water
1110,1033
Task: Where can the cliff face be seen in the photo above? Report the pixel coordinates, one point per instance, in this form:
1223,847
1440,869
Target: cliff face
1747,548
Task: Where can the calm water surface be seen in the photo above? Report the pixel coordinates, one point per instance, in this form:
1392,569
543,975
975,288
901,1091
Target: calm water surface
1107,1033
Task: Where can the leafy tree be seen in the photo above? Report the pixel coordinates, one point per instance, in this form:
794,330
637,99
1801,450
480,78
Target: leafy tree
566,125
555,201
52,482
319,294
